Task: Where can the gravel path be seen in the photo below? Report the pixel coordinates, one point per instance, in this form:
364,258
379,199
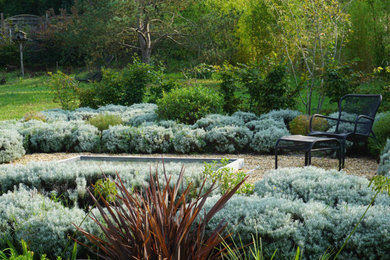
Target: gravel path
257,165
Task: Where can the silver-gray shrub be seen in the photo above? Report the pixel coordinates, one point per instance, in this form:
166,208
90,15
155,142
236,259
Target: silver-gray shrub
384,164
56,114
315,227
285,115
82,113
45,225
117,139
245,116
85,138
229,139
112,108
152,139
263,124
263,141
189,140
216,120
330,187
136,114
11,145
60,136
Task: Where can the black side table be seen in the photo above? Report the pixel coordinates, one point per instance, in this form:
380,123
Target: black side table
308,144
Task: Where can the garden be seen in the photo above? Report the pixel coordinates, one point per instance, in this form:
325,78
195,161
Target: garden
121,120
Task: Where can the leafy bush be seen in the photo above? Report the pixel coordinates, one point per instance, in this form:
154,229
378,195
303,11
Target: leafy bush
104,121
44,224
301,125
189,140
189,104
11,145
384,164
229,139
337,83
65,90
226,178
156,91
169,232
201,71
216,120
263,141
381,129
124,87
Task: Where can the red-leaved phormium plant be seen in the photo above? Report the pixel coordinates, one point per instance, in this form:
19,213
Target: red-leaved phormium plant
158,223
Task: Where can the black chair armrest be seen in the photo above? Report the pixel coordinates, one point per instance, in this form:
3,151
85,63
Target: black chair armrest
318,115
357,121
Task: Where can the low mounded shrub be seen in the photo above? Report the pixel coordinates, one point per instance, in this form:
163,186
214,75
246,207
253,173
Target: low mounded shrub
34,116
152,139
384,164
189,140
229,139
45,225
381,129
117,139
104,121
216,120
245,116
284,115
264,124
263,141
11,145
301,125
188,104
60,136
313,209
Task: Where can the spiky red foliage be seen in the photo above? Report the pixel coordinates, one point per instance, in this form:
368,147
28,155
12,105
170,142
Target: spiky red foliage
158,223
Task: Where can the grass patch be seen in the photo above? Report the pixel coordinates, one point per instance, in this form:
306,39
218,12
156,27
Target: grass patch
19,96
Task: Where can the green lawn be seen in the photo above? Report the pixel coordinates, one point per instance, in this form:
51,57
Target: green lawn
19,96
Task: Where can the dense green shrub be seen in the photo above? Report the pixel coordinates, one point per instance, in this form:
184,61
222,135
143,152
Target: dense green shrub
156,91
229,139
8,53
384,164
381,129
337,84
104,121
11,145
301,125
216,120
201,71
310,208
124,87
189,104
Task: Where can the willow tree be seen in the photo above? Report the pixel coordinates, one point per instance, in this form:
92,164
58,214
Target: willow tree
150,21
313,33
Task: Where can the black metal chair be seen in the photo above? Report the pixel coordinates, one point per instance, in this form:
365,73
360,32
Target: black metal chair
355,119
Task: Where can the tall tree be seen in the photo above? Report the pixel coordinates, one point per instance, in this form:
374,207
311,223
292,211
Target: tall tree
313,33
151,21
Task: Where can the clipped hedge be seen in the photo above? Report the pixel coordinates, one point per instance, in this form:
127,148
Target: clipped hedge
11,145
313,209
